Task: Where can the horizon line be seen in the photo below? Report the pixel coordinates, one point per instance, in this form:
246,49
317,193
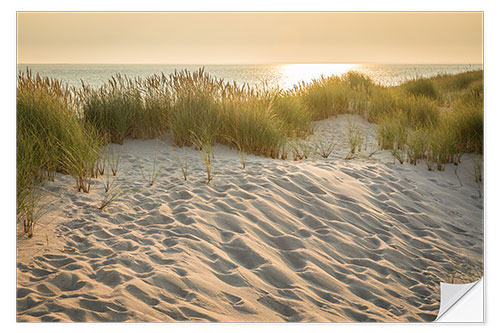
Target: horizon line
270,63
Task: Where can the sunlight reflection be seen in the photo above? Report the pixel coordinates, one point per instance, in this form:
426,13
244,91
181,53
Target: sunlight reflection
295,73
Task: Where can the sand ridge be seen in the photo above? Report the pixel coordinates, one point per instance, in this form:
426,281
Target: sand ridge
311,240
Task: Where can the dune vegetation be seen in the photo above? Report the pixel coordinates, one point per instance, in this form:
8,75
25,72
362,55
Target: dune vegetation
60,128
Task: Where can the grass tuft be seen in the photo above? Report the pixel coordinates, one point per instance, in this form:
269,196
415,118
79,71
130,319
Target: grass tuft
152,175
204,144
421,87
183,167
325,149
50,138
111,194
355,141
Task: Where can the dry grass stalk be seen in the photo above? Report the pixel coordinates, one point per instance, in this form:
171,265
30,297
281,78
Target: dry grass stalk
355,141
325,149
114,160
240,148
203,144
183,167
152,175
110,195
398,154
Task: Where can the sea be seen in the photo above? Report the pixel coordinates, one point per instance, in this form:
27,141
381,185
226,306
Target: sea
284,76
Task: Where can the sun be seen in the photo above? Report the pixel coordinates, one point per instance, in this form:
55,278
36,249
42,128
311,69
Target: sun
295,73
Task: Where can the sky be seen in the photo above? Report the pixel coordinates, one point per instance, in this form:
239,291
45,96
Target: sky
250,37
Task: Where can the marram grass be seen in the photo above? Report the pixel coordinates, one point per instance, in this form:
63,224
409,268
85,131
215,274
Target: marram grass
60,128
50,138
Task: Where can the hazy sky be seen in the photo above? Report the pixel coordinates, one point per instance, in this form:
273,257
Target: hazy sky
250,38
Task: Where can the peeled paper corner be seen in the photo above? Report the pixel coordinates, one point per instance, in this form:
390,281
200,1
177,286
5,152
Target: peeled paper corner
461,303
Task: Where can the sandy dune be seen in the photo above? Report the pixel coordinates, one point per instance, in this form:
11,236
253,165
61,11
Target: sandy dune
312,240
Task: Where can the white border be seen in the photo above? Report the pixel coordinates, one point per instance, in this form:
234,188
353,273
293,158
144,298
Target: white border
492,110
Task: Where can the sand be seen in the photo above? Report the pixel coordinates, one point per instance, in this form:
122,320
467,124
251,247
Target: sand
321,239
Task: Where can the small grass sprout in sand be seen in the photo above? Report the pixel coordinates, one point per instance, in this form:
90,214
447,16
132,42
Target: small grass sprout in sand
295,150
301,149
398,154
367,148
114,160
153,174
183,167
108,183
203,143
111,193
99,166
355,141
307,149
372,149
325,149
241,150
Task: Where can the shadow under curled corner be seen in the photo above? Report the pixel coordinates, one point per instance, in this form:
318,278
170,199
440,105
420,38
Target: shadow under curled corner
462,303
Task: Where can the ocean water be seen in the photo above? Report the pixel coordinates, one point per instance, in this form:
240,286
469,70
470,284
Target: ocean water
284,76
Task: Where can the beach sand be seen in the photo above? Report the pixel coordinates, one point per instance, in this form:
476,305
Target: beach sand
321,239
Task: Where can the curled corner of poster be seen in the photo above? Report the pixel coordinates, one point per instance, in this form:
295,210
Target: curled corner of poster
461,303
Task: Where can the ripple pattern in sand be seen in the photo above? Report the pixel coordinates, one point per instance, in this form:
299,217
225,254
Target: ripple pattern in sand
325,240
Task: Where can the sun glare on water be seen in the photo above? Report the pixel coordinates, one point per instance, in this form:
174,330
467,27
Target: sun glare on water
295,73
